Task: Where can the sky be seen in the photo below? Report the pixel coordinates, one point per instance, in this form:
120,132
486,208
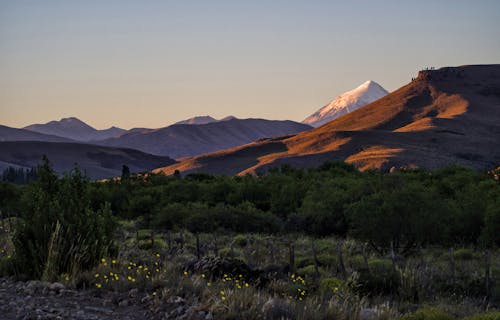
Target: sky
149,63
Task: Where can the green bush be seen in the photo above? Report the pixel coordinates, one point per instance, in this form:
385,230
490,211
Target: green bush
357,262
146,244
332,285
463,254
302,262
428,313
6,267
381,278
327,260
484,316
59,232
241,240
307,271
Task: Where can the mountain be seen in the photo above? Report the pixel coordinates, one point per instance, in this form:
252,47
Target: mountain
449,116
347,102
14,134
198,120
97,161
75,129
182,140
203,120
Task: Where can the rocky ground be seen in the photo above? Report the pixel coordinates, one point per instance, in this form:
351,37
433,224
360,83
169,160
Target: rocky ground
42,300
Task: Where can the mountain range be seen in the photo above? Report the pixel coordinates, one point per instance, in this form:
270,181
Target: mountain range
74,129
182,140
443,117
449,116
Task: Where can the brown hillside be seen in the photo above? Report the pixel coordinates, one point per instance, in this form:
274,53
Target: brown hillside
444,117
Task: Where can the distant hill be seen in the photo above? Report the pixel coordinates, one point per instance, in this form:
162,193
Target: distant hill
75,129
203,120
183,140
347,102
14,134
198,120
96,161
449,116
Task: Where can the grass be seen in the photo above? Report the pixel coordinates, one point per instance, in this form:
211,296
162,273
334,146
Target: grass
419,287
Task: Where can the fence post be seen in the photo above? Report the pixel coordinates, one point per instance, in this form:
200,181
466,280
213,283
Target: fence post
181,235
152,239
291,250
487,275
341,260
247,250
197,246
169,241
216,249
452,265
315,258
365,258
231,248
271,251
393,256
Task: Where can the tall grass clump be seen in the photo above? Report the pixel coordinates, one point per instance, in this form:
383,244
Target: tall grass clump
58,231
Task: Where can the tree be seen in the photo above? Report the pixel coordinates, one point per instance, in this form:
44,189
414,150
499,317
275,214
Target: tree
125,172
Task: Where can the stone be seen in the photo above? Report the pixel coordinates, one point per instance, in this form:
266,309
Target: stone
277,309
368,314
56,287
133,293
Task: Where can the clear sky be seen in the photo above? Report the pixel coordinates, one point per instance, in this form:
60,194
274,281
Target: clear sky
148,63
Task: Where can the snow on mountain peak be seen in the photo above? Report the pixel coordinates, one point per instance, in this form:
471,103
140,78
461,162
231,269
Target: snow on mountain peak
349,101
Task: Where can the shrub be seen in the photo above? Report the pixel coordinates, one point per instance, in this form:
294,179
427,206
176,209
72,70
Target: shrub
6,266
331,285
463,254
59,232
428,313
484,316
357,262
146,244
241,240
308,271
381,278
327,260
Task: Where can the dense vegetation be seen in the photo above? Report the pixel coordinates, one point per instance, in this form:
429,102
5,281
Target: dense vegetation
355,239
404,209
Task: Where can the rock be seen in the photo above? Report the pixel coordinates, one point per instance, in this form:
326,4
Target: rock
368,314
176,300
34,286
133,293
209,316
99,310
56,287
124,303
277,309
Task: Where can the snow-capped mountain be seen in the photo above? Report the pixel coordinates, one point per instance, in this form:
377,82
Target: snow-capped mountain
347,102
